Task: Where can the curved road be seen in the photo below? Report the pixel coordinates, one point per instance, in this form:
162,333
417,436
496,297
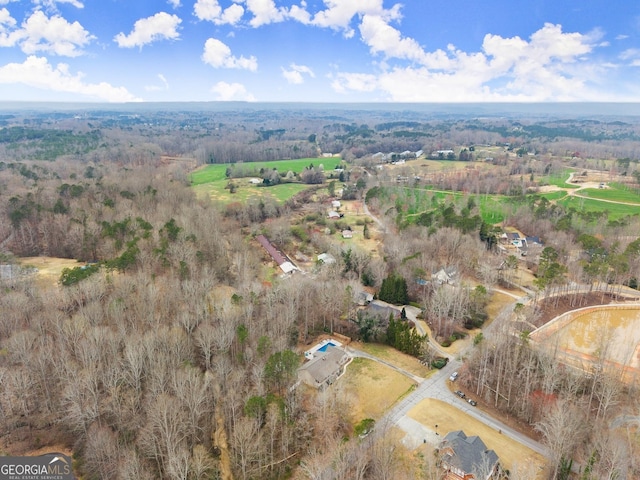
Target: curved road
436,387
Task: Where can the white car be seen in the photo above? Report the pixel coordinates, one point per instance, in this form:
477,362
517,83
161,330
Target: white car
453,376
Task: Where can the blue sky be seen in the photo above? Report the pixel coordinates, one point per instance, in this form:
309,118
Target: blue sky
320,50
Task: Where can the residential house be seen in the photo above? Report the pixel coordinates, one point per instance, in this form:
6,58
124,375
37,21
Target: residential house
364,298
335,204
467,458
447,275
325,367
333,215
283,262
347,234
382,310
326,258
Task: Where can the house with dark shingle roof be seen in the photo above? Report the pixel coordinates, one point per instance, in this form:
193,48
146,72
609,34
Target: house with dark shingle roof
467,458
325,367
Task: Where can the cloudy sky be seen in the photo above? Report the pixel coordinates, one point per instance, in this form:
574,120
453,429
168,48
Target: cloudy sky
320,50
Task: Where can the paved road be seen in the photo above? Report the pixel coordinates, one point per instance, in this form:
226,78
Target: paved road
436,387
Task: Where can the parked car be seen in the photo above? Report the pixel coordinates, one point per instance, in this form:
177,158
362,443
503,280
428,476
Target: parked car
472,402
453,376
460,394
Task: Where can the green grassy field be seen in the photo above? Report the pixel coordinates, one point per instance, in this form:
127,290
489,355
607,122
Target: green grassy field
211,181
551,196
614,210
614,192
559,179
217,172
494,208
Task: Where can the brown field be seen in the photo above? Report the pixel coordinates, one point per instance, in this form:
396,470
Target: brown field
399,359
49,268
512,454
498,302
372,388
353,211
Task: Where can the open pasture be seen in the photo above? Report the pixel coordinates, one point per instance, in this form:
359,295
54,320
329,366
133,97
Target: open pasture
217,172
244,191
558,179
614,210
211,180
615,192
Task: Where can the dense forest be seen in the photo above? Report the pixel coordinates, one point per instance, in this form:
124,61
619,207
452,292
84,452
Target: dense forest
169,353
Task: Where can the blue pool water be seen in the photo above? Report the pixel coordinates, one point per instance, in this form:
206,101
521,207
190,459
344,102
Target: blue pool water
324,347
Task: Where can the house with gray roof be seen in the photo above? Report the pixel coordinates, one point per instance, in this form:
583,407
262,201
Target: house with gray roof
467,458
446,275
325,367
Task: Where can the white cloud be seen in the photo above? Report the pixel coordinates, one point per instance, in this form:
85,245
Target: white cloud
382,37
631,56
339,13
147,30
40,33
158,88
265,12
300,14
174,3
295,73
211,11
551,66
232,91
52,3
6,20
39,73
218,55
358,82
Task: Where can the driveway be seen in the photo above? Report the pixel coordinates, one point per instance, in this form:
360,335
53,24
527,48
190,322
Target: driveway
436,387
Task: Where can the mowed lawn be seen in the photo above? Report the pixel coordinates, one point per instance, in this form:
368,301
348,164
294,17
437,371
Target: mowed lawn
372,388
391,355
614,210
614,192
512,454
558,179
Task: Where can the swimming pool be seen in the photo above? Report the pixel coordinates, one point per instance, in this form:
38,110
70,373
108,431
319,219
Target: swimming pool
326,345
321,347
